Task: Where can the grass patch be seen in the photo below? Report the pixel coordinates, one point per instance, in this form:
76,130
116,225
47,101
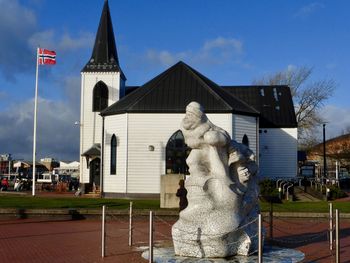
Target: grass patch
305,207
29,202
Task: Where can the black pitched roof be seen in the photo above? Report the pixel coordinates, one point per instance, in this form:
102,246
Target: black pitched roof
104,56
274,103
94,150
172,90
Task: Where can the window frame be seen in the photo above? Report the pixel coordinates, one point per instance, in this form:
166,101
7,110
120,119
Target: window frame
113,155
100,95
245,140
176,153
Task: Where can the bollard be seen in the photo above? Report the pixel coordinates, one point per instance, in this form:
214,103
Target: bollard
130,225
150,237
277,183
279,193
260,252
291,185
271,220
328,193
331,226
103,230
337,243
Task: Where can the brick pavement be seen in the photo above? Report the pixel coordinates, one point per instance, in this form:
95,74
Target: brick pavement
41,241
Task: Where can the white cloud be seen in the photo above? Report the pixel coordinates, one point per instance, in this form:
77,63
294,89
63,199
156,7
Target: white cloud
215,51
164,57
221,43
42,39
61,42
17,24
21,36
83,39
309,9
57,136
337,118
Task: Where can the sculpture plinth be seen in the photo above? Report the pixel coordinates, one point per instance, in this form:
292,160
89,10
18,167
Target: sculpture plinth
219,220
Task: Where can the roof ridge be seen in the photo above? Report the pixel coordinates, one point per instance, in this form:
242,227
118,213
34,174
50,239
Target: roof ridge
200,76
141,89
161,76
195,73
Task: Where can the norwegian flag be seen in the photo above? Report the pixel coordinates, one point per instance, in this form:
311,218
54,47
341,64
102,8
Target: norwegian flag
46,57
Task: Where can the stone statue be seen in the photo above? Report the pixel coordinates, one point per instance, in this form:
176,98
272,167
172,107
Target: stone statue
220,219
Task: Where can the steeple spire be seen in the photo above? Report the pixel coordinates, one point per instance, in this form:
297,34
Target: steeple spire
104,55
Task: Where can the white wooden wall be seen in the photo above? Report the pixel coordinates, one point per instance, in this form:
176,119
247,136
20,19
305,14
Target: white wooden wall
140,171
245,125
91,122
278,152
117,125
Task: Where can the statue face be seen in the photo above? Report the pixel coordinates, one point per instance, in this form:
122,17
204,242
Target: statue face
191,121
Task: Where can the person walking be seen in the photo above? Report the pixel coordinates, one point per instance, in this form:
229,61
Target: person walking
182,194
4,184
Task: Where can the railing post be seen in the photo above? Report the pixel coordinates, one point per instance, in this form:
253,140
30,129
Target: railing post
260,252
150,237
337,243
103,231
271,220
130,225
331,226
289,186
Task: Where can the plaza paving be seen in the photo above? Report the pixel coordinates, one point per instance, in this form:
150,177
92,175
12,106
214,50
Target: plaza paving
54,240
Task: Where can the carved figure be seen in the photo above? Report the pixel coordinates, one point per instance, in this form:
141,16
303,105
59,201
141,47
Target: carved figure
222,192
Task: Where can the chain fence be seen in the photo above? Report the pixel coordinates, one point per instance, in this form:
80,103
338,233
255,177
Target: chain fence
315,237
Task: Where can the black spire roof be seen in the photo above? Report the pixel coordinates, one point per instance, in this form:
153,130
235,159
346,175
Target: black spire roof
172,90
104,56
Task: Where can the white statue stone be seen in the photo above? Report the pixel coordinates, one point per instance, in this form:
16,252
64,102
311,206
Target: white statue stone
219,220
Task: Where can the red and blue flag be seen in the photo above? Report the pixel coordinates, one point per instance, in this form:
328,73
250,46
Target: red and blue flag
46,57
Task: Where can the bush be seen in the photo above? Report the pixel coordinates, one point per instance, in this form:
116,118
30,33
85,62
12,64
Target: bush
335,193
268,191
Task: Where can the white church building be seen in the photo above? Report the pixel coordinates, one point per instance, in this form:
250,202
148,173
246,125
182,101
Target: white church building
130,135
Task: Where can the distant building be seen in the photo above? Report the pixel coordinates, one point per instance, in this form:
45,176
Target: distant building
337,153
68,168
130,137
25,168
49,163
5,163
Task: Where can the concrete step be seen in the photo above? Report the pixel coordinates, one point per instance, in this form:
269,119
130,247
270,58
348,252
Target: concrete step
95,194
301,196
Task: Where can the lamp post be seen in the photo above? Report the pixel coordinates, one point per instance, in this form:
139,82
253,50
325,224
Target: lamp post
324,152
9,159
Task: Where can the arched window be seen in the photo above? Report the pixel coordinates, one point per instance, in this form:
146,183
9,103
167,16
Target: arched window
176,154
245,140
100,96
113,155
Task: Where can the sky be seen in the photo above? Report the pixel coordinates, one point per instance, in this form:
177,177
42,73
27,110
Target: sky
230,42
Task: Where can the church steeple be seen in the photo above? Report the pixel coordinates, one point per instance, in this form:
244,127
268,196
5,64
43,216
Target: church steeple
104,56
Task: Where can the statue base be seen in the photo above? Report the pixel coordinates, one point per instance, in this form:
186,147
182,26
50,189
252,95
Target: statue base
204,245
271,255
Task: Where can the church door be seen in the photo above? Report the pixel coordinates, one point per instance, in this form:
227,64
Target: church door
95,171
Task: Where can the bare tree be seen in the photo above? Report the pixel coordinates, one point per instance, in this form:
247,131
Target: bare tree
308,97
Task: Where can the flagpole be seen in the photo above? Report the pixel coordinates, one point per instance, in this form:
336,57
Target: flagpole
35,113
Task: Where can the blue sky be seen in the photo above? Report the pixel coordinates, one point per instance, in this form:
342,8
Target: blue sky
231,42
